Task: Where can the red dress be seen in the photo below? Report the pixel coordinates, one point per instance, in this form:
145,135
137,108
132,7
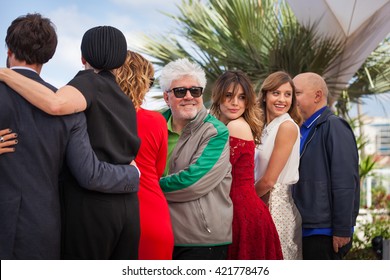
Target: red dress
254,232
156,242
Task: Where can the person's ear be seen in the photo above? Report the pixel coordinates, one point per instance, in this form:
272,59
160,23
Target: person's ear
165,95
318,96
9,54
83,61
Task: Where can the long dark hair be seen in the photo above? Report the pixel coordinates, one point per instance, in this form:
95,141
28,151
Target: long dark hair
252,113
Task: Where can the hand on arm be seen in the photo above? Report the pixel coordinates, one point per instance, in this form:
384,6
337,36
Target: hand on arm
284,143
7,141
67,100
133,163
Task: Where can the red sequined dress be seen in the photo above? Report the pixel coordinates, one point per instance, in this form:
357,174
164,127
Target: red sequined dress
254,232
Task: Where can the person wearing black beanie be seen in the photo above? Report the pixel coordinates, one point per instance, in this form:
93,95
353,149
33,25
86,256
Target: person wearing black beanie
95,225
104,47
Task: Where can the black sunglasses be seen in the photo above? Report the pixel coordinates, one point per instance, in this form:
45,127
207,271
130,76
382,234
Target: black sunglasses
180,92
151,82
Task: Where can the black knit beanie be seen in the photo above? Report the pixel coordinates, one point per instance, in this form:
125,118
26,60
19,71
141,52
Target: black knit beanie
104,47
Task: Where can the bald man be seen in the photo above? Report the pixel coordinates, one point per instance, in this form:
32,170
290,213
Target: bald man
328,190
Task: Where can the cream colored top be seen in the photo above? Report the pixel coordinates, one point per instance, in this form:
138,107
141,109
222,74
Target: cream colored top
289,174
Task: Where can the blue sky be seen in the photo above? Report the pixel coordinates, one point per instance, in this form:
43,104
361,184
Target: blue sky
72,18
375,106
134,17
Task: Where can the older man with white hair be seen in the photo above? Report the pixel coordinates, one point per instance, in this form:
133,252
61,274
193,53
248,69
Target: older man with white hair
197,177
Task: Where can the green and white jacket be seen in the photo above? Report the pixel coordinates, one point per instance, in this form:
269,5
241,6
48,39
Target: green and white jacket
198,185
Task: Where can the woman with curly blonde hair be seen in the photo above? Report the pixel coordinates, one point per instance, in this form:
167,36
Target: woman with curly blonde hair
135,78
254,233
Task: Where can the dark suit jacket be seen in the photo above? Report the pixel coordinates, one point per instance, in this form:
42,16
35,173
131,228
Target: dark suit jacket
29,195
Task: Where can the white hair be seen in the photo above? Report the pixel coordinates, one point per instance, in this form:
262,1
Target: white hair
178,69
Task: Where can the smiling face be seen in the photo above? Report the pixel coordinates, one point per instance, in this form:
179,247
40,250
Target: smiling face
183,109
234,103
278,101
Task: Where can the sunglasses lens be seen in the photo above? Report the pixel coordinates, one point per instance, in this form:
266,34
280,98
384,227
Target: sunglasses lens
196,91
179,92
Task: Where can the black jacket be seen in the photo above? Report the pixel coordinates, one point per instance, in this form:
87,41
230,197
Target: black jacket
29,192
328,191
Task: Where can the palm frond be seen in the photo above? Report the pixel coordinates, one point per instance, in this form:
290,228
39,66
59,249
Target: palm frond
258,37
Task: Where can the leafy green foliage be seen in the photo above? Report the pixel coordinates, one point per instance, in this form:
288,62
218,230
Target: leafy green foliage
366,165
362,245
374,75
380,198
260,37
366,162
256,36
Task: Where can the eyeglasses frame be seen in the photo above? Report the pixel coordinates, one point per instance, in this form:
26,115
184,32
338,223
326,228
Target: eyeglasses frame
174,90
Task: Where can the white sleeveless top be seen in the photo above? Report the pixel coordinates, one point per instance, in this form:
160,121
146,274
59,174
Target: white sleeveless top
290,173
281,205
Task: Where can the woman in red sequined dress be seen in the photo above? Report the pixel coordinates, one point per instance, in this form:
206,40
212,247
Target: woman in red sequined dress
254,233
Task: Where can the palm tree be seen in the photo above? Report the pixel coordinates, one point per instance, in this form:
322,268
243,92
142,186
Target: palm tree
256,36
372,78
260,37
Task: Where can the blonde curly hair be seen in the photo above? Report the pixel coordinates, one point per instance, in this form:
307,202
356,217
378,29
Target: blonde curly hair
135,77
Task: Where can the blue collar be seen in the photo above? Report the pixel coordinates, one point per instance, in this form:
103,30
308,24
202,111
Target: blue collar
313,118
307,126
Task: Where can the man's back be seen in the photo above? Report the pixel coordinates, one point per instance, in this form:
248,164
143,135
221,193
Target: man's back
29,195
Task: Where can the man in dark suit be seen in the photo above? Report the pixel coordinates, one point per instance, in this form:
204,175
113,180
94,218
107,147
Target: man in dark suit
29,193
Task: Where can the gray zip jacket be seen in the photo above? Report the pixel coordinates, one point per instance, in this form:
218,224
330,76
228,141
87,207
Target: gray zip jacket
198,185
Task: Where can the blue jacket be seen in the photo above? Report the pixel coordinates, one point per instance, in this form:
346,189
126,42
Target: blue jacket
328,191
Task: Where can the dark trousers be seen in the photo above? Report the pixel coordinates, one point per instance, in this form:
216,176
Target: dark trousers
320,247
99,226
200,253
